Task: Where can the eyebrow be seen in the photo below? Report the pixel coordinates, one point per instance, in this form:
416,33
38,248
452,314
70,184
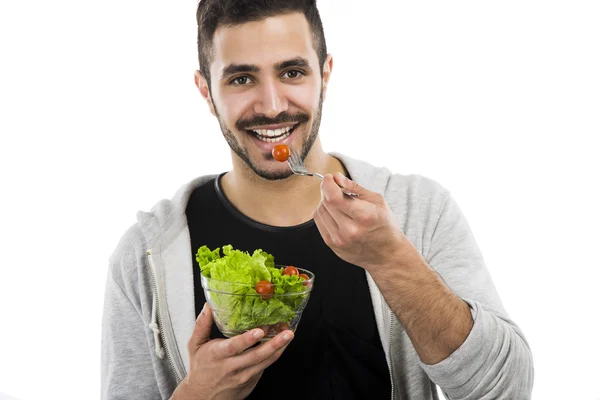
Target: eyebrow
294,62
233,69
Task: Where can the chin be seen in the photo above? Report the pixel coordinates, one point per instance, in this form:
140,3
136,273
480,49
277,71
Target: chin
271,174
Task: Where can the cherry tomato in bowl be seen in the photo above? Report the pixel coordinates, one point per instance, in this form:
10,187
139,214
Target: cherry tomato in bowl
306,279
230,300
265,288
290,270
282,326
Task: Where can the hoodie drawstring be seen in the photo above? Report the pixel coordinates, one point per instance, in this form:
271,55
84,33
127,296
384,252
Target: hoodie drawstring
158,349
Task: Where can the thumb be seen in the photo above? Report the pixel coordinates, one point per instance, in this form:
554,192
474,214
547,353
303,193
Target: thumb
351,186
201,332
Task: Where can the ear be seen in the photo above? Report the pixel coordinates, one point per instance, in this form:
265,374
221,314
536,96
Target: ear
202,85
327,68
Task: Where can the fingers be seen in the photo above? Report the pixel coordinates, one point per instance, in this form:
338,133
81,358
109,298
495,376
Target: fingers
201,332
330,191
237,344
360,209
350,185
331,223
321,227
344,231
264,355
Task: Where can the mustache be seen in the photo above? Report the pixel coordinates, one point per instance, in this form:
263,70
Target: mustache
261,120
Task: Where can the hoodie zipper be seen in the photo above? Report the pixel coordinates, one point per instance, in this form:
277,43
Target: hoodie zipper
390,349
166,334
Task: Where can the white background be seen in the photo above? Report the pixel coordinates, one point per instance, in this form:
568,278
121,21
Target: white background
99,117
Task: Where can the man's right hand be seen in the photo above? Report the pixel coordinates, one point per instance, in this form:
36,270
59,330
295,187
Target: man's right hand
226,368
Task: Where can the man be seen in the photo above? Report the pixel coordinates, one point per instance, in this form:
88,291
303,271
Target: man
402,300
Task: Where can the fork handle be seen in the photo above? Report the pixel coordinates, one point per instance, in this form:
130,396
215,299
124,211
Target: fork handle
349,194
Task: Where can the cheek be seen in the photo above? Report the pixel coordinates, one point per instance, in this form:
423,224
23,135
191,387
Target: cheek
233,106
304,97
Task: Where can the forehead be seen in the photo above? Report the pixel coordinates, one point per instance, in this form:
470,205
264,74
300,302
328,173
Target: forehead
264,42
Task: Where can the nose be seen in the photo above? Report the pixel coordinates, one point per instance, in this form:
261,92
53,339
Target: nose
272,100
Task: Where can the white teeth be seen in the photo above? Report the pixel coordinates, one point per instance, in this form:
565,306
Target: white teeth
273,132
273,140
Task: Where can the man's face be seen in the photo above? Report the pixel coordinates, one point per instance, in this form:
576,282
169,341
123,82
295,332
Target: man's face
267,89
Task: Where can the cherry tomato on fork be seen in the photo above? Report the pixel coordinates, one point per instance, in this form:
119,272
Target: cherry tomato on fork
281,152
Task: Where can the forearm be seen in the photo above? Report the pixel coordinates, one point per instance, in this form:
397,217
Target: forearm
436,320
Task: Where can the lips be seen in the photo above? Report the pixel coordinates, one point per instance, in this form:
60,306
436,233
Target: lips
266,143
272,135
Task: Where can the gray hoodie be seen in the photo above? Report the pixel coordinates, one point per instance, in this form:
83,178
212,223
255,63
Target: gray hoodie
149,310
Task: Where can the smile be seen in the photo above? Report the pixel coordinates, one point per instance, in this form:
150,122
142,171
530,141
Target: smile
273,135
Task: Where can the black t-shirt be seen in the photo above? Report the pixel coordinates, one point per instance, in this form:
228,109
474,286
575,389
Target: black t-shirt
336,352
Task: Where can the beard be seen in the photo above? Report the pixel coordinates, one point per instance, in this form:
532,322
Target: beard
242,152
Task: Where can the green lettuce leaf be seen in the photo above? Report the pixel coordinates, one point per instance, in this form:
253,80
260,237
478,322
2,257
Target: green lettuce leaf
237,272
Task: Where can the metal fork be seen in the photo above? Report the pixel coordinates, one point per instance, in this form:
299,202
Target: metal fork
297,166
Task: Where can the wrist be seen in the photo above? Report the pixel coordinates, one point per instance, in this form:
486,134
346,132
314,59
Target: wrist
183,392
402,254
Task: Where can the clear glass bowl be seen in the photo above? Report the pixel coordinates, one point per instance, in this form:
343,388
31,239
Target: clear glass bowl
238,308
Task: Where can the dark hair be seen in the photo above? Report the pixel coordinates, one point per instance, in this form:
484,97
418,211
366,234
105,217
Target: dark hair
212,14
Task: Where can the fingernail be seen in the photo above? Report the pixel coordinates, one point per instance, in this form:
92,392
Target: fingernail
287,337
202,311
341,176
257,334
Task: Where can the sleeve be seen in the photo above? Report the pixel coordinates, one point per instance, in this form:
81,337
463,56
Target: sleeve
127,369
495,361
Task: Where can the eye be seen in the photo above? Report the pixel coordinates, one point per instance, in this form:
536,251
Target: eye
293,74
240,80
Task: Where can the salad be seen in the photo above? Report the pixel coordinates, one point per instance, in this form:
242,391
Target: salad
248,291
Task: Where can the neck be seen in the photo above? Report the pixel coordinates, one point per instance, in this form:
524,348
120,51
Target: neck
285,202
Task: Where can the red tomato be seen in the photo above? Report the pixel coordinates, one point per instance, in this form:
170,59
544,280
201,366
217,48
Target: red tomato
268,330
304,276
282,326
281,152
290,271
265,288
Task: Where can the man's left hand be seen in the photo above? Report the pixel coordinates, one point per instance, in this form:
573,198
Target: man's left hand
361,230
